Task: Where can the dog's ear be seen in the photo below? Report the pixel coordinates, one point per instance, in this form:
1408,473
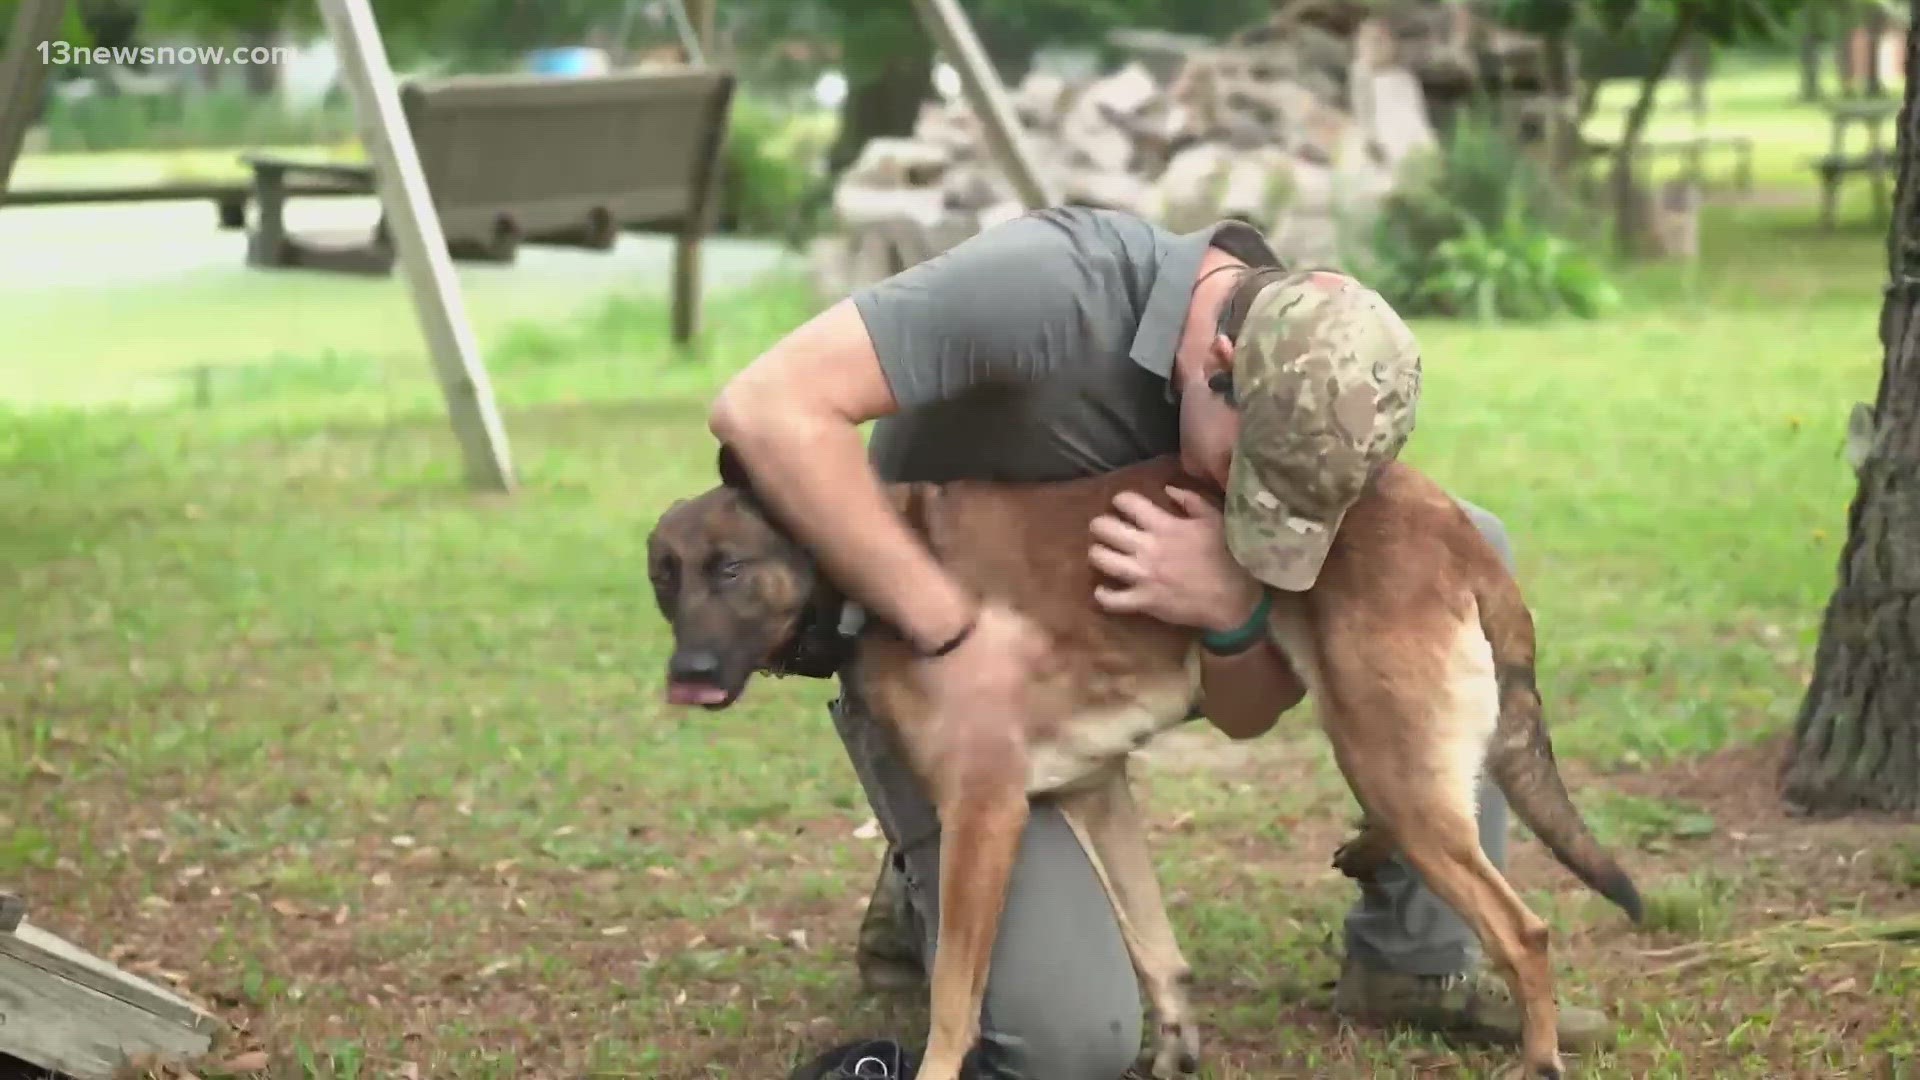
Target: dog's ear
732,473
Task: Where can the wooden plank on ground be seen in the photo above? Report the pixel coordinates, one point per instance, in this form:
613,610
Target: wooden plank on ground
948,24
419,242
23,78
64,1009
29,944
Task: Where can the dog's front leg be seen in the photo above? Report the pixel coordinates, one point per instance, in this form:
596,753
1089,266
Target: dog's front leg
1107,821
980,791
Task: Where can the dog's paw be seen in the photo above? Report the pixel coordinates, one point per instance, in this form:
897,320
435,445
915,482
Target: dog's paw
1173,1051
1521,1070
1360,856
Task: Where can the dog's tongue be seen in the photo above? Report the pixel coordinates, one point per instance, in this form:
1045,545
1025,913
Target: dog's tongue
693,693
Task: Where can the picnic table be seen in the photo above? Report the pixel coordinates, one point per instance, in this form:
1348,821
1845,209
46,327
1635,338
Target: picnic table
229,197
274,178
1693,149
1837,164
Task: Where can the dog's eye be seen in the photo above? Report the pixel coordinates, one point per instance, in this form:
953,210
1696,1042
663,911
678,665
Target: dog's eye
664,570
728,570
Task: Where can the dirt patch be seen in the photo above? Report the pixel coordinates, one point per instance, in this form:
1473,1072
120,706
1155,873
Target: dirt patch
441,964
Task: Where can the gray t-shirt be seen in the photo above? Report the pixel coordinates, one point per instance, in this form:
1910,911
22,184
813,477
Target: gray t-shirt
1039,349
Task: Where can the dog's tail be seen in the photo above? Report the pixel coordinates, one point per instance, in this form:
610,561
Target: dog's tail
1521,755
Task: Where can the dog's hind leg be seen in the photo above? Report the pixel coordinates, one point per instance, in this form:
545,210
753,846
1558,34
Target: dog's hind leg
1107,821
1411,742
980,793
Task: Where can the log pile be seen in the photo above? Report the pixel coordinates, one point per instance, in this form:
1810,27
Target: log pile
1299,126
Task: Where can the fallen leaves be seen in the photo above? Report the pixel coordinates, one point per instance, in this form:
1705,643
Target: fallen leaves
252,1061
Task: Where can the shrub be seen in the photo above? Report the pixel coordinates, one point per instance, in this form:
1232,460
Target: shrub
771,164
181,120
1478,229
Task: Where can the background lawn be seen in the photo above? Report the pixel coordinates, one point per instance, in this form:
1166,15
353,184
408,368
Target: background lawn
380,769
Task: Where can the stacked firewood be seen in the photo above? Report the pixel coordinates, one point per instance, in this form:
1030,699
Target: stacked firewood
1301,126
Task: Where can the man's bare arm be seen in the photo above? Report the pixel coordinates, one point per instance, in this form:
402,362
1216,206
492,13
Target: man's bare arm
1245,693
793,417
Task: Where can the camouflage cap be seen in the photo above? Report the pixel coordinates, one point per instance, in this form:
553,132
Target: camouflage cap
1326,378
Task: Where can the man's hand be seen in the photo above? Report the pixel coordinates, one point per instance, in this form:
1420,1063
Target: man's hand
1173,567
1176,568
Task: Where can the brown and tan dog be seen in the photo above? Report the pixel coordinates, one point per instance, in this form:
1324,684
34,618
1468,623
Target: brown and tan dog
1415,644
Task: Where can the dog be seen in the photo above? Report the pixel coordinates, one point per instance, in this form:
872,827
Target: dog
1415,644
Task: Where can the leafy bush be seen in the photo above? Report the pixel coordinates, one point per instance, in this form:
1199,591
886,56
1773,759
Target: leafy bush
215,118
771,164
1477,229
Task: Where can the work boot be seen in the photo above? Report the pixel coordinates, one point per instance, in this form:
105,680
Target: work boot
1475,1005
866,1059
888,953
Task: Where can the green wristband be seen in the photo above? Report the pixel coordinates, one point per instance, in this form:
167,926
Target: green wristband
1242,637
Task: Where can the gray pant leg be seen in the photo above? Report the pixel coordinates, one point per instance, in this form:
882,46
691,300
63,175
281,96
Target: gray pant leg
1062,1000
1401,926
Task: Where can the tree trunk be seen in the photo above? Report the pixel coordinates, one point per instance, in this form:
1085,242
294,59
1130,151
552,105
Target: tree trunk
1856,744
889,72
1812,24
261,75
113,26
1876,29
1696,62
882,99
1563,78
1629,214
1848,20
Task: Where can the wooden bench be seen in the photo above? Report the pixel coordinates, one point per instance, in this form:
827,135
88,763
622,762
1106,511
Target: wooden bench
1836,165
513,159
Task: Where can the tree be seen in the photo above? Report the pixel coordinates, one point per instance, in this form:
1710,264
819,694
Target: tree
1876,28
1856,742
1813,28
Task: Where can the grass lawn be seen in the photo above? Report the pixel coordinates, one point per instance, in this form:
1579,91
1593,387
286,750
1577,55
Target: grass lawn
379,769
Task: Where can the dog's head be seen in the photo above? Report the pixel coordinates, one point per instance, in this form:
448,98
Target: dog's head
741,595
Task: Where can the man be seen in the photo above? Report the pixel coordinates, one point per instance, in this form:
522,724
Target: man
1064,343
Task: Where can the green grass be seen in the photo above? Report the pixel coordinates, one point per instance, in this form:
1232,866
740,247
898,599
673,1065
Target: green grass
258,333
380,765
